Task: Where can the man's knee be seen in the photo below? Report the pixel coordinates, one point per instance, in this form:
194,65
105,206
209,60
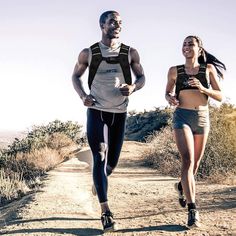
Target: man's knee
103,147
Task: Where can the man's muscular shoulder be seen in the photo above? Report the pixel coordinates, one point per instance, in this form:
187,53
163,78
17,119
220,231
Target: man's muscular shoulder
84,55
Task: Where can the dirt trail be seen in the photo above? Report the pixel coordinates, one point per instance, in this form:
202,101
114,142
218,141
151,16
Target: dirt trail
144,203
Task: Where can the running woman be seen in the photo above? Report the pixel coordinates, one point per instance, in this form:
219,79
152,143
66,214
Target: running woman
189,87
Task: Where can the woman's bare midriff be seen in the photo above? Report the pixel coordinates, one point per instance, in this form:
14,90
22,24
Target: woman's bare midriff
193,99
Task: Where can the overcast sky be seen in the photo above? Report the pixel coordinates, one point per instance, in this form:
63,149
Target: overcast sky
40,41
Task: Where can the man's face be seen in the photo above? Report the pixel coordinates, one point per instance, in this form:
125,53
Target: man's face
112,27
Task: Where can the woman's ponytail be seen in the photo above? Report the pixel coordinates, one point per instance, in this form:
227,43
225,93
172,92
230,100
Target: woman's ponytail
207,58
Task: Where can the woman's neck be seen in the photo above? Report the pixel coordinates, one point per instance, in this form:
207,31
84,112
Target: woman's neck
191,63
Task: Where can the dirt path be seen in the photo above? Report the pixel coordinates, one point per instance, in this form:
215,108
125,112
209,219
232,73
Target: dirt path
144,203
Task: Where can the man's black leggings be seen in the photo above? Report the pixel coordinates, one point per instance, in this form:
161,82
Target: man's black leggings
105,132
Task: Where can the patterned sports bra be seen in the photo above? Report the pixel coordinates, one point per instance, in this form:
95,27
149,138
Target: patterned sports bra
183,78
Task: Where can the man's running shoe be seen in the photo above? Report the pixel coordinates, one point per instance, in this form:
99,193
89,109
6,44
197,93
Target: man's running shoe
94,191
108,222
193,219
179,189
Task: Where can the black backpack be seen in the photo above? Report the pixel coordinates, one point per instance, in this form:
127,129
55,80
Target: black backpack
122,59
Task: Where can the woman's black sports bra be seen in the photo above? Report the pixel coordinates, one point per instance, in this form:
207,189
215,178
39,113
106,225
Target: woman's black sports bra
183,78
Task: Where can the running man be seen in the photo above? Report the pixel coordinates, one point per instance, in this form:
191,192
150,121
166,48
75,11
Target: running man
109,62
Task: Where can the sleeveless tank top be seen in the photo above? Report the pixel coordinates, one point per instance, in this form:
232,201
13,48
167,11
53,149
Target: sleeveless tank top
183,78
106,83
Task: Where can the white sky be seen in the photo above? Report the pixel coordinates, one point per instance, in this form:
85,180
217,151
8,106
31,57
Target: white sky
40,41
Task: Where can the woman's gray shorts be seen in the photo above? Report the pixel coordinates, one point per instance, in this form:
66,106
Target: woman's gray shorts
197,120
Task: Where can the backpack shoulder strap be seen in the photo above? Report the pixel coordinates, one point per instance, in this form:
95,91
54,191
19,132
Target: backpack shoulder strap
124,63
202,76
95,62
180,70
202,69
180,75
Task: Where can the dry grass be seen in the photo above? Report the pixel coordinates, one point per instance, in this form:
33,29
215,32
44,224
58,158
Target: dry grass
216,178
219,162
23,171
163,154
11,188
43,159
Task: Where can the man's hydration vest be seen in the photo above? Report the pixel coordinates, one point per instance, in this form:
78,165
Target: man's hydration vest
121,59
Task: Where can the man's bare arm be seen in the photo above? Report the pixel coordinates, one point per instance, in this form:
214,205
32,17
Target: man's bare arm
80,68
137,70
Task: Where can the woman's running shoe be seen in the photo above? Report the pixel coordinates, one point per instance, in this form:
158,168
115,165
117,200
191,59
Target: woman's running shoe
193,219
179,189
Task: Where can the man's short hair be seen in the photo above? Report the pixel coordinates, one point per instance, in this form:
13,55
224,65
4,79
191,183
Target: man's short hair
104,16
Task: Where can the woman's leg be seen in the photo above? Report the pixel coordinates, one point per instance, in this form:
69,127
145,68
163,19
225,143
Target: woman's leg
185,144
200,141
199,148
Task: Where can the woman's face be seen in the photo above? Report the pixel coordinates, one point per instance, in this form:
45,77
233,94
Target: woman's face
191,48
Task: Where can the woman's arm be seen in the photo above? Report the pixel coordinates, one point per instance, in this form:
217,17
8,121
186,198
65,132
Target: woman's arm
170,87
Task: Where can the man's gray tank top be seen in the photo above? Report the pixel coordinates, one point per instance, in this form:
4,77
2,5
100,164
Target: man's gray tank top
106,83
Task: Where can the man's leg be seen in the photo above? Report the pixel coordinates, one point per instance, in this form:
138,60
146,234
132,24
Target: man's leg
96,132
116,138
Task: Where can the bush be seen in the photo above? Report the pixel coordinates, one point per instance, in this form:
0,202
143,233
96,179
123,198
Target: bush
140,125
11,188
220,153
163,154
39,136
42,149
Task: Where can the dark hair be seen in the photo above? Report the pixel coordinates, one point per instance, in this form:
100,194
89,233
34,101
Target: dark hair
104,16
207,58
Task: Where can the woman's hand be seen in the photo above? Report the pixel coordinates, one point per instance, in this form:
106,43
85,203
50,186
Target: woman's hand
194,82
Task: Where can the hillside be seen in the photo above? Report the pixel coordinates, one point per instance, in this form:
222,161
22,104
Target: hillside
140,125
143,202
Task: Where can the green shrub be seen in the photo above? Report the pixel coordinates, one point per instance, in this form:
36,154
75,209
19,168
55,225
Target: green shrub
140,125
39,136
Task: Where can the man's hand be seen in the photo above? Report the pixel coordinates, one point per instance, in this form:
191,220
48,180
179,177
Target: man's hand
88,100
172,99
127,90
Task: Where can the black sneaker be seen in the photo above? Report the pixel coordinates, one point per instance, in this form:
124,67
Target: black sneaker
193,218
179,189
108,223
